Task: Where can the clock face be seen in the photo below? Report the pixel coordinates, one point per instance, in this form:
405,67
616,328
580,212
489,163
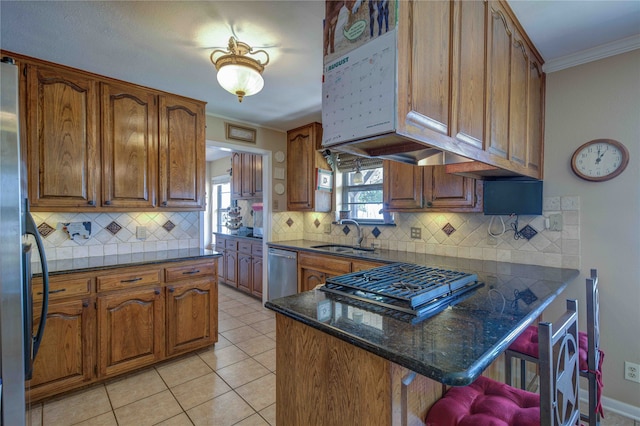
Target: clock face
600,159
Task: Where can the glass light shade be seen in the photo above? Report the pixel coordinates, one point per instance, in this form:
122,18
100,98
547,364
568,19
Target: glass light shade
240,80
357,178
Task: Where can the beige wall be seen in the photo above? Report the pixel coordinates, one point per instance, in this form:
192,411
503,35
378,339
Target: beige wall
602,100
266,139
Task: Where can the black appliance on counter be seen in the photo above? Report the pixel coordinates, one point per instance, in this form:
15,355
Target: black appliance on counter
404,290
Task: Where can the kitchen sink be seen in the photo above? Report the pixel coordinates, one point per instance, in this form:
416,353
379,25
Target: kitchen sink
341,248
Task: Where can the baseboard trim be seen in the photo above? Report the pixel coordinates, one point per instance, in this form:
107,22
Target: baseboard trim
614,406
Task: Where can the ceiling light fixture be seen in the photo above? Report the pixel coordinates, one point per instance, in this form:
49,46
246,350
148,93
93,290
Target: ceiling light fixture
238,73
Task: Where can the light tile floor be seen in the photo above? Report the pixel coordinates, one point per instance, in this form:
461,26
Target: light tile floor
231,383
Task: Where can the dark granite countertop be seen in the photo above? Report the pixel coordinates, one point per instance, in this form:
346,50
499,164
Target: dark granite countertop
96,263
229,234
453,346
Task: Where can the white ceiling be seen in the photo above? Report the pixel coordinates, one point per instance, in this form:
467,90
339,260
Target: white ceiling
166,44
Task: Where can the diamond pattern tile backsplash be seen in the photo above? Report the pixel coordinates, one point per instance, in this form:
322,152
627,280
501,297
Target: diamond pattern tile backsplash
467,237
115,233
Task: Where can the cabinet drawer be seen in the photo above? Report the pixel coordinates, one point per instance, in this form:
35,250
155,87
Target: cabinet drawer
363,265
129,279
325,263
231,244
256,250
177,273
244,247
62,288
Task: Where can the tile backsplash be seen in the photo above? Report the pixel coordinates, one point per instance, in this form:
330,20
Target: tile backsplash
117,233
455,234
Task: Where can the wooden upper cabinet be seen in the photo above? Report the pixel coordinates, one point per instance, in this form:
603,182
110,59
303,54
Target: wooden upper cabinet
303,159
182,153
236,175
415,188
246,178
477,87
402,186
448,192
251,175
129,146
62,121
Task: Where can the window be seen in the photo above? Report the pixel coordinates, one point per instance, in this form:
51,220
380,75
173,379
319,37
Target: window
221,203
364,200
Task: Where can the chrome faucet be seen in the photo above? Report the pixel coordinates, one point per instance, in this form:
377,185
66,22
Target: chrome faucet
360,236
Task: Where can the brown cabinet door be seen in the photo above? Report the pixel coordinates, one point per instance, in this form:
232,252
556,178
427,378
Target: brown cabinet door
63,156
535,111
468,73
500,38
402,186
256,266
300,169
425,81
244,272
67,353
257,176
236,175
310,278
191,315
130,330
248,173
182,153
302,161
129,146
231,267
445,191
518,102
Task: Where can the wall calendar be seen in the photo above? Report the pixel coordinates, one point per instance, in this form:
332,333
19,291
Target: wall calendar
358,92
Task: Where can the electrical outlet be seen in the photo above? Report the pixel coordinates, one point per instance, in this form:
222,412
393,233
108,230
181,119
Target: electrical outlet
416,233
141,232
327,228
632,371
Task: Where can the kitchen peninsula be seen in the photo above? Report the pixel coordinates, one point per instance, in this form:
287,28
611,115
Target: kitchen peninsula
344,361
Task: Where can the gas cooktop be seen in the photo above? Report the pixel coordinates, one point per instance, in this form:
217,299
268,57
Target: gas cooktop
405,287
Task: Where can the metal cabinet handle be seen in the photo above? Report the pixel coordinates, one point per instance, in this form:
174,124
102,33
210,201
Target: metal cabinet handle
429,204
156,291
171,289
191,272
85,304
107,203
164,204
91,203
131,280
60,290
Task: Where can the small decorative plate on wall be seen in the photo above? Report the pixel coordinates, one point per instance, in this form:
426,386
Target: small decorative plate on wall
599,160
279,188
279,155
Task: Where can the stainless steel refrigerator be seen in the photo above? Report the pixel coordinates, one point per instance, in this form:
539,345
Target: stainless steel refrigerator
18,345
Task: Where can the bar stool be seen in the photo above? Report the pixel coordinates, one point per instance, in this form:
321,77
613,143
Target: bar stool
489,402
525,348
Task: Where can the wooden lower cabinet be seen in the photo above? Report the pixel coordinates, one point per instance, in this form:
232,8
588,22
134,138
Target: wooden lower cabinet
242,263
191,315
130,330
66,355
314,269
120,320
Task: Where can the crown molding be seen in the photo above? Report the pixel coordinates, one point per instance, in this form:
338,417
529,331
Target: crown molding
600,52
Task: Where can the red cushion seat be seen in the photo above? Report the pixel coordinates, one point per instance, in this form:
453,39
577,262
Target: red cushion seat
527,343
485,402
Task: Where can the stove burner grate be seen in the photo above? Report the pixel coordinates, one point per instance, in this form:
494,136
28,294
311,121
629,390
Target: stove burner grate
403,286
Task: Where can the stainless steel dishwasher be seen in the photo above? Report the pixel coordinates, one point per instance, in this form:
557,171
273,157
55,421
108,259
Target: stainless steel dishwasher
282,273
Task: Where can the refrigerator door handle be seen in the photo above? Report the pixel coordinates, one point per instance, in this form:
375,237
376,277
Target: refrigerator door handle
30,228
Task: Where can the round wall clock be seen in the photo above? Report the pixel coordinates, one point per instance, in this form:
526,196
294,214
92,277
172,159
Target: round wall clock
599,160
